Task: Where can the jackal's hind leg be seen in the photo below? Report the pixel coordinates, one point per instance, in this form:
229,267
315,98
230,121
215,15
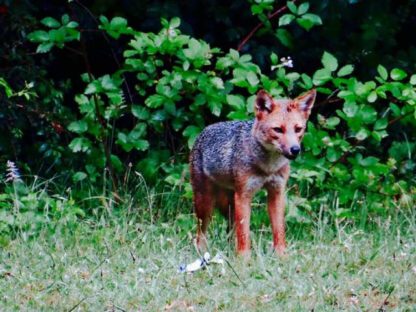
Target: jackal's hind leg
225,203
204,200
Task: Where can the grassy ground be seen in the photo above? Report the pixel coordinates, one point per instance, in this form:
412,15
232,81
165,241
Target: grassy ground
126,266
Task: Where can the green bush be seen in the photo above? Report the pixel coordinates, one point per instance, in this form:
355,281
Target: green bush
357,151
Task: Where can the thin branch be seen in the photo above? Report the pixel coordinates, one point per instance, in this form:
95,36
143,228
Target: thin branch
73,50
400,118
86,9
259,25
101,120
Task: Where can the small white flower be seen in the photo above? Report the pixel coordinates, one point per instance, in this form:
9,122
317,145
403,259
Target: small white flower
287,62
12,172
284,62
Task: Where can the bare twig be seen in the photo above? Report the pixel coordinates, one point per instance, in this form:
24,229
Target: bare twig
77,304
400,118
86,9
259,25
101,120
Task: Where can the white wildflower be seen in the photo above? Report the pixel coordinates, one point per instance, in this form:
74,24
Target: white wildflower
287,62
12,172
284,62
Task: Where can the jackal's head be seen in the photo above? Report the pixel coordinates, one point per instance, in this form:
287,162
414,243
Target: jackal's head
280,124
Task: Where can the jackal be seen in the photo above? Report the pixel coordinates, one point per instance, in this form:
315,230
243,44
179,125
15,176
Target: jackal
232,160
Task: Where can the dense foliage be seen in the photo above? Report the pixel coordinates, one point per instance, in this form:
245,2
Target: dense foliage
93,118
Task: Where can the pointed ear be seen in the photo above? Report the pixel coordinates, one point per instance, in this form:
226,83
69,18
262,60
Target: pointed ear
306,101
264,103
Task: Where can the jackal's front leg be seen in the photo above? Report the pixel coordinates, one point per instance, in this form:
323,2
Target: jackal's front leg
242,202
276,209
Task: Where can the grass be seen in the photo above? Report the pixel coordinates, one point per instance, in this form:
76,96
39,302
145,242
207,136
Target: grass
119,264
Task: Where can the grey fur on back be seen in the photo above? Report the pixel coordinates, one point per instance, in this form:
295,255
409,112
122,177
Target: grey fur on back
226,149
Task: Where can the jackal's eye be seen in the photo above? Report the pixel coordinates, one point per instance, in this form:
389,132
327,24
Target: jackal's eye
278,129
298,129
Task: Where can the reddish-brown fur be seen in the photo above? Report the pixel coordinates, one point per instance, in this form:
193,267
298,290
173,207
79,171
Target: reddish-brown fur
228,166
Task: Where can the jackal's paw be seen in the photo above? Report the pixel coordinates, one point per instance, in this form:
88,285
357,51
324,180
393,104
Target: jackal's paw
201,243
244,254
280,251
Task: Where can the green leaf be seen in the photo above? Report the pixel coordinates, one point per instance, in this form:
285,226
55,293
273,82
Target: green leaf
38,36
309,20
140,112
307,81
252,79
286,19
395,109
382,71
217,82
329,61
65,19
321,76
332,155
332,122
368,114
235,101
238,115
50,22
292,7
381,124
350,109
141,145
116,162
79,176
369,161
413,80
191,132
215,107
57,35
91,88
372,97
303,8
397,74
285,37
274,59
169,107
108,83
345,70
44,47
6,86
72,24
80,145
79,126
118,23
175,22
155,101
362,134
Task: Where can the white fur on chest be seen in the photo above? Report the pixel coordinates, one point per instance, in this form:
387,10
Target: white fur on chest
273,165
271,176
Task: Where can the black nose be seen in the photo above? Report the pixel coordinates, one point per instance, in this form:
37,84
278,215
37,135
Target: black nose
294,150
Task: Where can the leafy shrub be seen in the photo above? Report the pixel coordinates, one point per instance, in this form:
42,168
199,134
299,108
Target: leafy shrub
353,148
29,209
